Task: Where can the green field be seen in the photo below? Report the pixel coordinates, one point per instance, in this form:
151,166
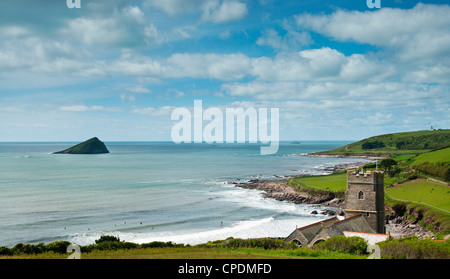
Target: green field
333,182
420,191
442,155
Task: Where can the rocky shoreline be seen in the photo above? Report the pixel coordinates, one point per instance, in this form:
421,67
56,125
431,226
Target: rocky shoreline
279,190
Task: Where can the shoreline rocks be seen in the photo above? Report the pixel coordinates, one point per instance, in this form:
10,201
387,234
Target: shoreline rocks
279,190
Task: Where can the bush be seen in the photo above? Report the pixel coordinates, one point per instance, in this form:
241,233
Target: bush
413,176
265,243
107,238
115,245
59,247
441,169
160,244
373,145
109,242
5,251
29,249
343,244
414,248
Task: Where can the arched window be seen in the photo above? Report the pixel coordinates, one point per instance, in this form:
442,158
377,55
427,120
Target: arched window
361,195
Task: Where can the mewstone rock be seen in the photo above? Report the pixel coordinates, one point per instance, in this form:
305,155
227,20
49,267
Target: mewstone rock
91,146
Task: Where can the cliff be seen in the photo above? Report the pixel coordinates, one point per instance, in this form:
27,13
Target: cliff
91,146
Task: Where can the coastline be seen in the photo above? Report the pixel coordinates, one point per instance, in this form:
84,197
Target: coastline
396,226
341,156
279,190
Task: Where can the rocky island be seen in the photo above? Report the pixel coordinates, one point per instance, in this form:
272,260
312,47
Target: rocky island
91,146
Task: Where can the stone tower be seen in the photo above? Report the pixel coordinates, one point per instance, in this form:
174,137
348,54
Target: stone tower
365,195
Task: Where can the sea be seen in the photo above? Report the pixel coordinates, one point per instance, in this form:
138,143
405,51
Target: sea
151,191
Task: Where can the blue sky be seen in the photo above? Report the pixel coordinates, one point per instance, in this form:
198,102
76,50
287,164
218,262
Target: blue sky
116,69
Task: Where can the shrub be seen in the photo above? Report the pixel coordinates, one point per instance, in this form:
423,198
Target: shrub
160,244
59,247
373,145
343,244
414,248
265,243
5,251
441,169
107,238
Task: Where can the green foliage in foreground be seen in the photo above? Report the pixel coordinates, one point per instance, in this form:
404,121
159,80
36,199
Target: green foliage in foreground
343,244
264,243
414,248
264,248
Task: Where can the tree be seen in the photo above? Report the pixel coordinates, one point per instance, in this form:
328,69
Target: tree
387,164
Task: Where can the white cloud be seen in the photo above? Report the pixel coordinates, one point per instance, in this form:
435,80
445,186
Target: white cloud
151,111
139,89
415,33
83,108
340,96
324,64
182,65
127,27
175,7
292,40
218,12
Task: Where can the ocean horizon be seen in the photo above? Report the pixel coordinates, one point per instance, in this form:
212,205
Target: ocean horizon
151,191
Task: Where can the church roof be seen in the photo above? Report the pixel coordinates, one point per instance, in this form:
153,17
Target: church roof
332,227
310,231
355,223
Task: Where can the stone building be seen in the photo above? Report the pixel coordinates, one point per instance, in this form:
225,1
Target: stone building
364,211
365,196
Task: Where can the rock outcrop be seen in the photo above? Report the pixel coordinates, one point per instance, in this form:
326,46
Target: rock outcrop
91,146
278,190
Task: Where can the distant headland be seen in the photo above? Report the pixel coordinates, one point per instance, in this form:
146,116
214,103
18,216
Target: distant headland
91,146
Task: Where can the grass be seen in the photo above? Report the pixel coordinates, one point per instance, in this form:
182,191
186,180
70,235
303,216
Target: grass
338,247
421,191
397,144
231,248
333,182
442,155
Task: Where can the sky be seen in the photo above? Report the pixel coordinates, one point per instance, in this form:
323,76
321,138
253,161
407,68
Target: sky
116,69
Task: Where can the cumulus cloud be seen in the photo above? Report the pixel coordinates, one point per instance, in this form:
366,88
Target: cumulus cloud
218,12
23,52
83,108
414,33
182,65
124,28
175,7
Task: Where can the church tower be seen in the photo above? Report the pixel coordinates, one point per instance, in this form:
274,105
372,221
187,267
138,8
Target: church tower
365,196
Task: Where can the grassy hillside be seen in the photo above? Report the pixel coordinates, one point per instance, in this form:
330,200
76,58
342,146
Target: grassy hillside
435,163
421,191
442,155
410,182
396,144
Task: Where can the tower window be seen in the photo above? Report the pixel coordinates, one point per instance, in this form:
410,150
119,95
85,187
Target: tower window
361,195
